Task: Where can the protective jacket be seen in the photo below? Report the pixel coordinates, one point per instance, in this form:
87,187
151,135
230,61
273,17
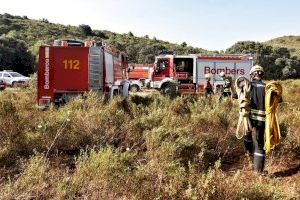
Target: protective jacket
258,102
227,84
207,84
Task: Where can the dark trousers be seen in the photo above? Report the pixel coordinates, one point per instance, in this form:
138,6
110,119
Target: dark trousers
208,91
259,152
225,95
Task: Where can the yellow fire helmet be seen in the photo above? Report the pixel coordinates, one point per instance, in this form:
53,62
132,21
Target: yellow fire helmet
257,68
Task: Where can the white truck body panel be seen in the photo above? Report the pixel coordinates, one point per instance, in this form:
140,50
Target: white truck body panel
233,68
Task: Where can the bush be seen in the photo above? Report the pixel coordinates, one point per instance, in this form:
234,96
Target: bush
32,183
99,175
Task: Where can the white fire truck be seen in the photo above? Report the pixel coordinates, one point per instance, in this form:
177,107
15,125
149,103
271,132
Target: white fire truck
188,72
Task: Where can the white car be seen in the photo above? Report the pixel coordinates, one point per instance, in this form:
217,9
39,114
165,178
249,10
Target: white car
12,78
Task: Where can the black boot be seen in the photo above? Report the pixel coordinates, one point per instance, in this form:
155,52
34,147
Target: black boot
248,143
259,153
259,160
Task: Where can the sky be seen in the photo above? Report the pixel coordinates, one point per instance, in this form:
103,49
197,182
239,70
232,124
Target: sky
209,24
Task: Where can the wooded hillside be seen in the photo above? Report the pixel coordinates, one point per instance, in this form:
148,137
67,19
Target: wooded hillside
37,32
20,39
290,42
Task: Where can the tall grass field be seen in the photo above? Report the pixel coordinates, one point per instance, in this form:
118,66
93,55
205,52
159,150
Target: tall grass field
143,147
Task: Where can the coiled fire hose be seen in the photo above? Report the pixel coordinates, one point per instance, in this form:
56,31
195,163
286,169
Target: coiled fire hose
273,97
243,89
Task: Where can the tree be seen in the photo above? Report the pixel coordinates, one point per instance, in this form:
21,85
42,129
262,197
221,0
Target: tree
15,56
292,68
130,34
244,47
281,52
276,61
86,30
132,51
5,21
45,20
184,44
100,34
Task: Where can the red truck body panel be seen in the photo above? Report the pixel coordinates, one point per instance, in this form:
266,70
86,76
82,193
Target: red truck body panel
62,69
140,71
71,68
118,69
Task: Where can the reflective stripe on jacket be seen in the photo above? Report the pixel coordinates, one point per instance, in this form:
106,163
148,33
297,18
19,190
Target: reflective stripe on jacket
257,115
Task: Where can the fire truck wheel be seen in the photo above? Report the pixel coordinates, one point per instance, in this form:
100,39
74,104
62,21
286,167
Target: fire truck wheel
168,89
134,88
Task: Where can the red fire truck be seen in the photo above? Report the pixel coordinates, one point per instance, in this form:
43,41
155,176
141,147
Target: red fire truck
139,76
188,72
69,68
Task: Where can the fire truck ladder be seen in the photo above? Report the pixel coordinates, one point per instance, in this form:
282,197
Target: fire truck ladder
96,70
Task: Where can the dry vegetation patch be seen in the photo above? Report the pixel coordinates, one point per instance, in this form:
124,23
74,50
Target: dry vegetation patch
144,147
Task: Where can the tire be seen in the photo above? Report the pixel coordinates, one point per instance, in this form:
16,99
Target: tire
134,88
169,89
116,92
165,89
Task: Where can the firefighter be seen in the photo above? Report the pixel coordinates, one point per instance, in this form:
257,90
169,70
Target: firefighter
208,88
226,86
257,118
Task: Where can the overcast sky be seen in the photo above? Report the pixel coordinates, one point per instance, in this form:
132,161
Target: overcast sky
209,24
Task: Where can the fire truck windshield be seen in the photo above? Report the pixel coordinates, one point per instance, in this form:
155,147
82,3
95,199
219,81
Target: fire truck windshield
161,65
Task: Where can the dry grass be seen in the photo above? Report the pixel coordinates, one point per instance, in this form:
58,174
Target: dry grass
146,147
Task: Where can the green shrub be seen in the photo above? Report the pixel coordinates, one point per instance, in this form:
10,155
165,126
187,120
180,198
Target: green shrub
103,174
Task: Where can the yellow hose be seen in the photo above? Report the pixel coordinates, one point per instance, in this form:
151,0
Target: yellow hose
273,97
243,89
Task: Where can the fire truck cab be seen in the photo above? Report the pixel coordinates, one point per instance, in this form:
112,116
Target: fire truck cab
174,69
70,68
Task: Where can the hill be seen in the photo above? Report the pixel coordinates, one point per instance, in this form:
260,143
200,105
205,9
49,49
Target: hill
21,38
290,42
37,32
